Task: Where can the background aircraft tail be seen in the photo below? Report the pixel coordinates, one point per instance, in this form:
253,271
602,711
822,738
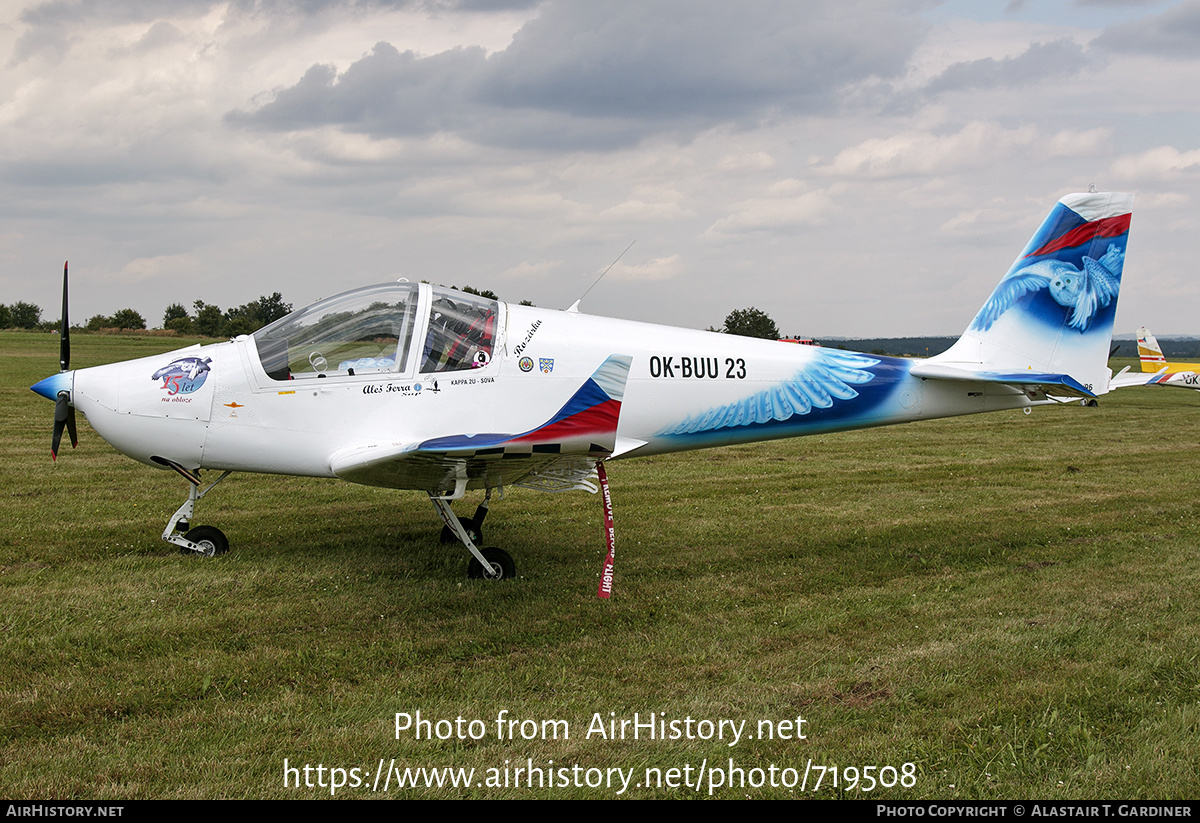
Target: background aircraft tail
1052,313
1150,353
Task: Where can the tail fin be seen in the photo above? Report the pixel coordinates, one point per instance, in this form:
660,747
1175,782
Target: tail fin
1149,351
1053,311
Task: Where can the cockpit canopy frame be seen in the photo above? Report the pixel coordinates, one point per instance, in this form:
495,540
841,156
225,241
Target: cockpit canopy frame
371,330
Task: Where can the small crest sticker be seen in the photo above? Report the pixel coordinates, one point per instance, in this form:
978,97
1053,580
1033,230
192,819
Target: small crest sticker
546,364
525,363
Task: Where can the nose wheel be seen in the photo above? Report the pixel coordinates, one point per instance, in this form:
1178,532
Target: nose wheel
199,541
209,540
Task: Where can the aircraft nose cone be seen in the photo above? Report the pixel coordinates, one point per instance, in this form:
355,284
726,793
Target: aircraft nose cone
55,383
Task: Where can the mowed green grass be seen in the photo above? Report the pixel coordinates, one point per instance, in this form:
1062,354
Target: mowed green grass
1008,602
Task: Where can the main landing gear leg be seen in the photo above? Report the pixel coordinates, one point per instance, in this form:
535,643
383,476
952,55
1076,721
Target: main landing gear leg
201,541
474,526
490,563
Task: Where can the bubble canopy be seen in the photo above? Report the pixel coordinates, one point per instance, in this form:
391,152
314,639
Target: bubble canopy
370,330
365,330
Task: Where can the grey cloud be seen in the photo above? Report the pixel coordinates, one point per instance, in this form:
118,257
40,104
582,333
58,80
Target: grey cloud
661,60
50,24
609,73
68,12
1061,58
1174,33
160,34
386,92
73,12
489,5
1116,4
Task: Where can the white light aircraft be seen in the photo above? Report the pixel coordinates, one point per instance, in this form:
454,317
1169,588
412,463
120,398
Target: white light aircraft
412,386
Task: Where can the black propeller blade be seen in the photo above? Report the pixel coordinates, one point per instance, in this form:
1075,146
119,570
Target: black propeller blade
64,415
64,412
64,337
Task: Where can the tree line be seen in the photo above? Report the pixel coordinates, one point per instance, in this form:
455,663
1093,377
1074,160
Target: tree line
205,319
208,319
20,315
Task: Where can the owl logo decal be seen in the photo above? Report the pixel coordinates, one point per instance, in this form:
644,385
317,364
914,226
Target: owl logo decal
183,376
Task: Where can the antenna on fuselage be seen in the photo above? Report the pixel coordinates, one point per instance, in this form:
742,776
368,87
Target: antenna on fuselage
575,306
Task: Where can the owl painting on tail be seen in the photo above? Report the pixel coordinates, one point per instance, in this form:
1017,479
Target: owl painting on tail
1085,291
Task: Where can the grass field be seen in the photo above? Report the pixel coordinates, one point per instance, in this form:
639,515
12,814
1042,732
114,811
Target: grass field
1006,602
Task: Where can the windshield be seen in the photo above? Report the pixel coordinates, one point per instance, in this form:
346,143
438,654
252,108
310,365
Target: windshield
366,330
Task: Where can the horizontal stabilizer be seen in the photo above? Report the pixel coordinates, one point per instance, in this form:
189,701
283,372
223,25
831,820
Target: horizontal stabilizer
1026,382
1126,378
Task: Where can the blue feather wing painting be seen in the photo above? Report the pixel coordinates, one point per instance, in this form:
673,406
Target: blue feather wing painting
1011,289
826,379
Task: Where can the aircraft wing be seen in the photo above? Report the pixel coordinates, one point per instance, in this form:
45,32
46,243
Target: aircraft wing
559,453
1035,385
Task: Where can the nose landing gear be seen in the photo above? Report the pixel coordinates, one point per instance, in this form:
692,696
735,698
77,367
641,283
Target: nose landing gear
200,541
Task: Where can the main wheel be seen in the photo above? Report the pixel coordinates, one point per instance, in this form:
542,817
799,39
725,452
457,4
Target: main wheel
211,540
474,531
500,561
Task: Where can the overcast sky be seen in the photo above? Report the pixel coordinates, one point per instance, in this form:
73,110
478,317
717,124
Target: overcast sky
858,167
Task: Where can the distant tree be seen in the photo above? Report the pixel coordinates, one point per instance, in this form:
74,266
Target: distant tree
181,325
174,312
241,320
128,319
488,293
25,315
97,322
272,308
751,322
525,303
209,320
252,316
241,324
5,317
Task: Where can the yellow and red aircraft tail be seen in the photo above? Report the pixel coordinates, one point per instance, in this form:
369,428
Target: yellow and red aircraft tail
1153,359
1149,352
